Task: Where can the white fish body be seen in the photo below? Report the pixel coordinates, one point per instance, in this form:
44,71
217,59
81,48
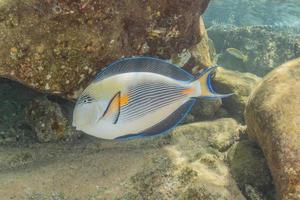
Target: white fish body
133,103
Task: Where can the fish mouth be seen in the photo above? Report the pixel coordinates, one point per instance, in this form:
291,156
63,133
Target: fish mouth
76,128
74,125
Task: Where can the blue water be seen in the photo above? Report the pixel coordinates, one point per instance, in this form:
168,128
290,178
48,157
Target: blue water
258,12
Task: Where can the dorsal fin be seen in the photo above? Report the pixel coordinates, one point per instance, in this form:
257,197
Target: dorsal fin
144,64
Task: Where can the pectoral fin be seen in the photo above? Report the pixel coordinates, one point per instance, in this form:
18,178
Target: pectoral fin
112,111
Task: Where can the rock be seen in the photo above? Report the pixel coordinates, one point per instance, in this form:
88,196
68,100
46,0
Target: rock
266,47
272,117
249,168
201,52
200,192
14,97
214,134
206,109
199,58
189,119
193,164
197,151
58,46
48,121
241,84
222,113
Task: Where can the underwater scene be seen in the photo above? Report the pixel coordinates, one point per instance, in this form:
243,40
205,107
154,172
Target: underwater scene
150,100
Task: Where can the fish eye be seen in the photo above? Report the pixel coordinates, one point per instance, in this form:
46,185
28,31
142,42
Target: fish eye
84,99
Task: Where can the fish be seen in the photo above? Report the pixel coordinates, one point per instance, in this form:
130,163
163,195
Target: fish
139,97
238,54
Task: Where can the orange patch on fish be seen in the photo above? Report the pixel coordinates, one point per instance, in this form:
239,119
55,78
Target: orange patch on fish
124,100
204,89
118,102
187,91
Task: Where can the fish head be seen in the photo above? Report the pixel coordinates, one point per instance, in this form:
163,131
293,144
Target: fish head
86,112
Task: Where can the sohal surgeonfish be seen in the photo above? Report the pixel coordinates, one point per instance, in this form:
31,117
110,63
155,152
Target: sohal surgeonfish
138,97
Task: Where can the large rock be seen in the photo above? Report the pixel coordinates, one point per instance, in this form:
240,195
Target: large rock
56,46
273,119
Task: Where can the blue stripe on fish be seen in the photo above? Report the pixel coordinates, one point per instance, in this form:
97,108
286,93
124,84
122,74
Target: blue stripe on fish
133,114
144,99
165,125
144,64
153,107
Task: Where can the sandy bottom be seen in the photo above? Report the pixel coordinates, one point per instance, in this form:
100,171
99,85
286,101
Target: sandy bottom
186,163
86,170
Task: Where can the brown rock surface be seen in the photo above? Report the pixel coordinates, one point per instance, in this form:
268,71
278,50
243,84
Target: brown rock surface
48,121
57,45
201,51
241,84
273,119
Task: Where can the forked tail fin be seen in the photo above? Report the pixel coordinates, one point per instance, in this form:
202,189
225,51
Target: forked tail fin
207,91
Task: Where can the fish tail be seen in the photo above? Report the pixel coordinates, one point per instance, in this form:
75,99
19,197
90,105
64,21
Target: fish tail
203,83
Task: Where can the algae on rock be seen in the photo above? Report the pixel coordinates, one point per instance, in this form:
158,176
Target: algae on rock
273,117
249,168
48,121
57,46
240,84
14,97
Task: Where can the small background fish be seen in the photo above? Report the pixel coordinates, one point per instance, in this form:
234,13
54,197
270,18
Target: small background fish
238,54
